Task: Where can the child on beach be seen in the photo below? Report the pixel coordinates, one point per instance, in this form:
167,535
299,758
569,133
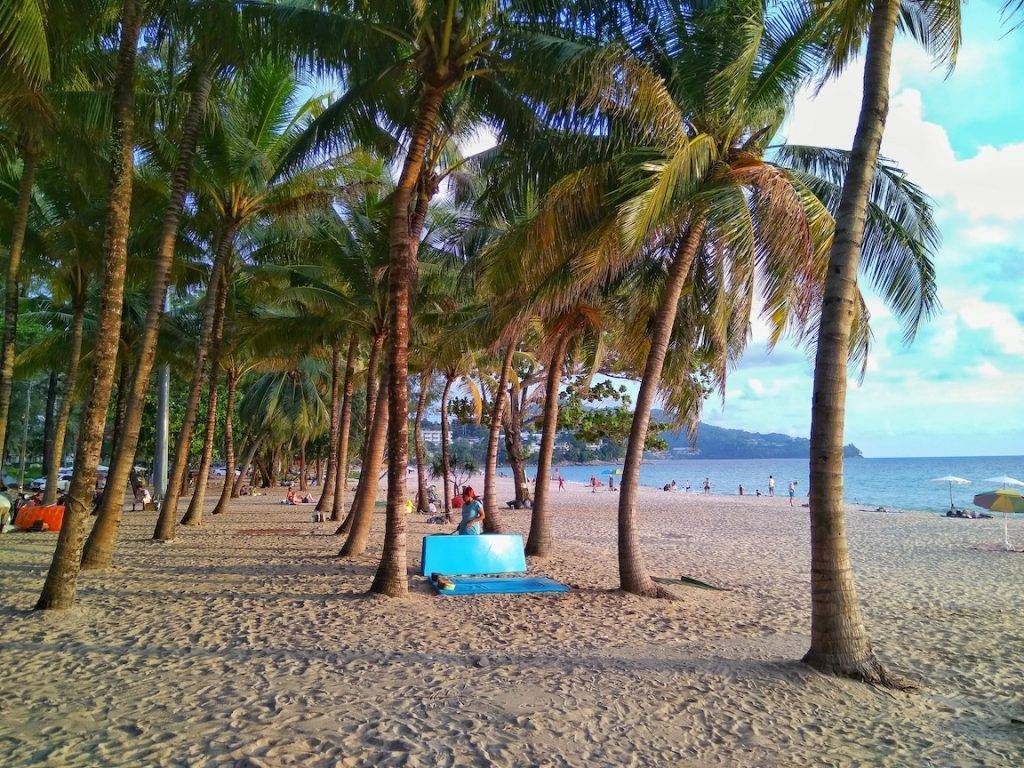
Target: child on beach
792,491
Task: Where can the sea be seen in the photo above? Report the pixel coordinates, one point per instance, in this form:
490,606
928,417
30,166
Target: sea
899,483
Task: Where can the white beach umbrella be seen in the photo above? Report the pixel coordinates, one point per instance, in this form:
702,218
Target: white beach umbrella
1005,481
951,480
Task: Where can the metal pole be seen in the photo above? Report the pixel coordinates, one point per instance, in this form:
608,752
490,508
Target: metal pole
163,392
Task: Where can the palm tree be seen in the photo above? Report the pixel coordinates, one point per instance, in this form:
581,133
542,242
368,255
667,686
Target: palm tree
59,589
687,183
405,64
43,64
241,171
839,642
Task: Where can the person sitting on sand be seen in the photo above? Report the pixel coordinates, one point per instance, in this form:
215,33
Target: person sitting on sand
307,498
472,513
757,492
291,498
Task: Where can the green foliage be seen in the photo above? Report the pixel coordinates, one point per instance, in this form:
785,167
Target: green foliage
584,413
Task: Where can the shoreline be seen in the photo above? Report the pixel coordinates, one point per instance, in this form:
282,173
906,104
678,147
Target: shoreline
248,642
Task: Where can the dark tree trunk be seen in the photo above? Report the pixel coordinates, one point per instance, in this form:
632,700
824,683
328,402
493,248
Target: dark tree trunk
194,514
167,521
100,546
513,420
120,402
49,415
421,458
302,466
60,428
59,589
247,459
361,514
341,463
445,443
839,642
538,544
633,575
229,444
492,522
17,244
391,578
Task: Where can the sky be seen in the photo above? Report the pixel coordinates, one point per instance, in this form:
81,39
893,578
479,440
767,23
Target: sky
958,389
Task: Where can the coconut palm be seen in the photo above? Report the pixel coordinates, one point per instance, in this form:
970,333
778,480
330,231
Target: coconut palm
43,68
240,172
406,63
59,589
687,182
839,641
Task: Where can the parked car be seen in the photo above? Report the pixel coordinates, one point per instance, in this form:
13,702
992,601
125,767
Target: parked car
63,482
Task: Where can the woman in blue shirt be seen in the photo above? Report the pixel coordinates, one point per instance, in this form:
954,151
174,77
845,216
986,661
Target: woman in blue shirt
472,513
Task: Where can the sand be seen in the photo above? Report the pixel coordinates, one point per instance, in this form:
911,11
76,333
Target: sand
235,649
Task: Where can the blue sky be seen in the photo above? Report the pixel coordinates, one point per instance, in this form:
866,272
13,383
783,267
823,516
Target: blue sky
959,388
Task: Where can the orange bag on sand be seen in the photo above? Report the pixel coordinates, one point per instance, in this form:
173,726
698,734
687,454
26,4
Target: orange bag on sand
52,515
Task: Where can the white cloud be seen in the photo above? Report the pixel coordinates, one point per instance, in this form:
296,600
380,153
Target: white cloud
986,371
982,187
985,234
977,314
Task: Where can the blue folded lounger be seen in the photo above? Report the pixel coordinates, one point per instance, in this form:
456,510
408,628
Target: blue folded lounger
488,564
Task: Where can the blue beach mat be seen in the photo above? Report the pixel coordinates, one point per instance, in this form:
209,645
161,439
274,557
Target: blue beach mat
477,565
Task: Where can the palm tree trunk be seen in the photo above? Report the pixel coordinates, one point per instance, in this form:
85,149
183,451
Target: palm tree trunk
100,546
61,580
445,440
23,452
194,513
371,379
492,523
513,421
120,402
28,175
341,464
327,492
633,576
49,414
361,514
372,393
248,456
302,466
166,522
60,427
229,443
403,242
839,641
421,457
538,543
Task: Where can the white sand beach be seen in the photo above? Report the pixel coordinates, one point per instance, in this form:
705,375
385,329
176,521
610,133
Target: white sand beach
229,648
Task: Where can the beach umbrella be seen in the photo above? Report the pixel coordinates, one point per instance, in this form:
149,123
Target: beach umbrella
952,480
1005,481
1004,500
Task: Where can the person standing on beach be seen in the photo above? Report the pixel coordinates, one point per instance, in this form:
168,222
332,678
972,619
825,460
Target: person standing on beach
741,489
472,513
792,491
771,485
561,483
707,486
611,482
594,482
